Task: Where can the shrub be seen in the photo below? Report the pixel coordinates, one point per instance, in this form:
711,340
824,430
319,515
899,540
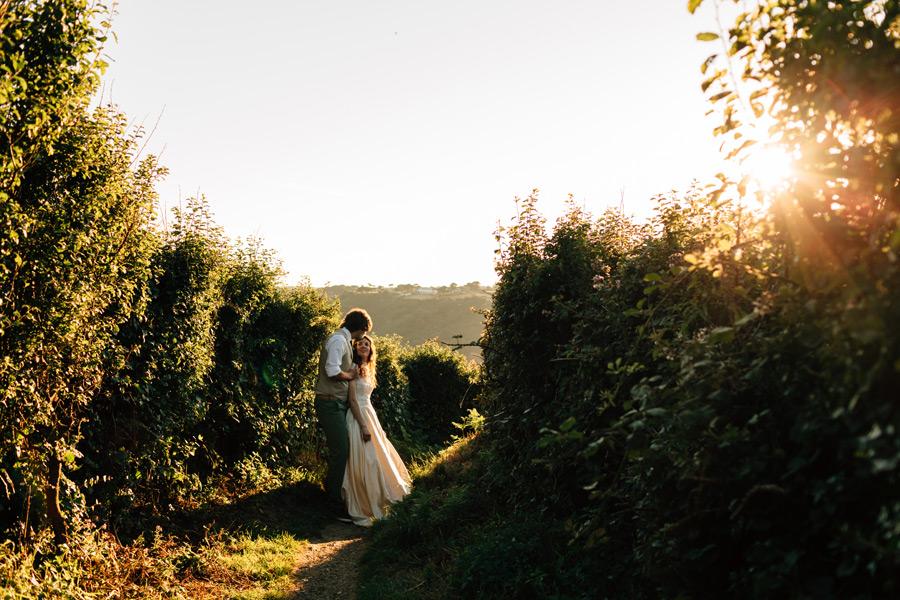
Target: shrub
74,249
442,388
391,396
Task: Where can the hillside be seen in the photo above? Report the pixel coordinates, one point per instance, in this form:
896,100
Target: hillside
419,314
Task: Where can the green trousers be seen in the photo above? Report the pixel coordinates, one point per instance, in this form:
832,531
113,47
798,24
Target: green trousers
332,417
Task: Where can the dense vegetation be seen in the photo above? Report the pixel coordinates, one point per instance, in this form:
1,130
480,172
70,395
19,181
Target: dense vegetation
149,366
703,406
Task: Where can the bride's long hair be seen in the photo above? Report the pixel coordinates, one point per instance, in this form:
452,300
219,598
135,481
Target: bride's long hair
366,369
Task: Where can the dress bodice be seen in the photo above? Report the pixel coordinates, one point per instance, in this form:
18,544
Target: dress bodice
363,390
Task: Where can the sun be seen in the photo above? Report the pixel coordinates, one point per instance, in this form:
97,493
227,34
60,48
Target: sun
769,165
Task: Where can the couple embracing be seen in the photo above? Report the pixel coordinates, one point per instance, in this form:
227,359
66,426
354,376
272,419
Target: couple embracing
365,473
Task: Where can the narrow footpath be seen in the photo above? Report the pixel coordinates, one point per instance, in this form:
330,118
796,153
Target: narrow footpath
328,568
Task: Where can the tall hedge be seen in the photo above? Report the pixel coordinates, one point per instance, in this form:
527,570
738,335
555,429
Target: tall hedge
443,387
704,407
140,361
74,248
220,371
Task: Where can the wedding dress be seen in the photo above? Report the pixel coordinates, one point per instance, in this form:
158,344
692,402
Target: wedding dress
375,476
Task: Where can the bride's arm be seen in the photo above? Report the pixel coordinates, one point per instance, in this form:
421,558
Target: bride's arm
357,414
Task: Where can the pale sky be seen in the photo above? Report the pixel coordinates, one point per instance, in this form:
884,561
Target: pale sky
381,141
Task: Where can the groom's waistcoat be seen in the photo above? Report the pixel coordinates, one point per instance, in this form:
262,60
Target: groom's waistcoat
325,385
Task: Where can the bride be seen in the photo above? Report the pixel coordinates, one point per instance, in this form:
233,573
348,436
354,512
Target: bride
375,476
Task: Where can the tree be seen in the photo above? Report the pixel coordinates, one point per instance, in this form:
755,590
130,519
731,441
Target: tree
75,242
819,79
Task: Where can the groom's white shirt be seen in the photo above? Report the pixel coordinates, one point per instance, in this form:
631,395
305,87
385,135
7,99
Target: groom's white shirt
334,351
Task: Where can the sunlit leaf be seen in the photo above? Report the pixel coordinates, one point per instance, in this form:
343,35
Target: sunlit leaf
748,318
707,36
693,5
721,334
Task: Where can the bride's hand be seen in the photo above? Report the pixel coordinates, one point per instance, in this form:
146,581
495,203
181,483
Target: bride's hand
366,436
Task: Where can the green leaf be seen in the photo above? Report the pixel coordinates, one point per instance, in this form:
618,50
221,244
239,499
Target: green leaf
747,319
707,36
567,424
693,4
721,334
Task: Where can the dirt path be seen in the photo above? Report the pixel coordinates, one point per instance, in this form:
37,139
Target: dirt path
328,568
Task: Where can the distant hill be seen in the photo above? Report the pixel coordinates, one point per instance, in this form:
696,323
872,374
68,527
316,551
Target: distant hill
418,313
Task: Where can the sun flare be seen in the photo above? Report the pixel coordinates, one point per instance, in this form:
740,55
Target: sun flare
769,166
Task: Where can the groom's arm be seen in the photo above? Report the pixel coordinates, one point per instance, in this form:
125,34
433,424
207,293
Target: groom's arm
334,352
350,375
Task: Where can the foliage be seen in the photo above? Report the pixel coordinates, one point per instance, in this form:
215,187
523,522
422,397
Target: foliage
50,52
442,387
471,424
143,420
245,549
265,365
703,406
391,395
74,250
145,368
219,373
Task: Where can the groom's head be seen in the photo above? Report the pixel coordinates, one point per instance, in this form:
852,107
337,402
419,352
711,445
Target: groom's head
357,322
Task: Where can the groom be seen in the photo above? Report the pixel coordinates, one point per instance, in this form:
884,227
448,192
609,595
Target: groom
336,371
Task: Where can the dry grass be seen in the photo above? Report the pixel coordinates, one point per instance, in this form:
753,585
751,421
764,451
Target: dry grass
229,550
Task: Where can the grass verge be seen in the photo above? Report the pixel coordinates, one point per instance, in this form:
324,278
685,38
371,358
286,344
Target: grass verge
243,548
411,555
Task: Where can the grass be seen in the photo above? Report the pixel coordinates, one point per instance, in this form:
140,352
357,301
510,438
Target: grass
243,547
412,555
267,562
262,558
253,554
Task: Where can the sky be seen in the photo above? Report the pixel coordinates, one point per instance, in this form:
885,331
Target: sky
381,142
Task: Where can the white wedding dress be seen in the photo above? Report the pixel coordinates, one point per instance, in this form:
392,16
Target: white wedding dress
375,476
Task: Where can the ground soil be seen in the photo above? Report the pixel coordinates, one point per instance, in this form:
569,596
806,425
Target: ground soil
328,568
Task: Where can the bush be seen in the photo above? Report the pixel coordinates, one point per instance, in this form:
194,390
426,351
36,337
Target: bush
391,396
221,368
74,250
442,388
